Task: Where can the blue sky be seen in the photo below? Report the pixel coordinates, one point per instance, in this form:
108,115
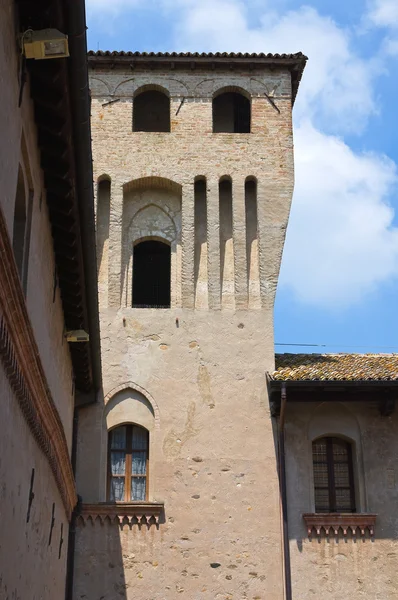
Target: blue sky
339,277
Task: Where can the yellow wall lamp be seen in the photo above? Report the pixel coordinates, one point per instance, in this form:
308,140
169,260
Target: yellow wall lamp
44,43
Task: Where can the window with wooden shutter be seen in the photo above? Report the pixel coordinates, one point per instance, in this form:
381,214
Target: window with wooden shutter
333,475
128,451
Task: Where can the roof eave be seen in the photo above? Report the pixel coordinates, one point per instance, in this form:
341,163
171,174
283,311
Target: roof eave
295,63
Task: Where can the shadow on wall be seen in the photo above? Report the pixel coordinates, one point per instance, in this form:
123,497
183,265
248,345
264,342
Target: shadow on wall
114,540
99,568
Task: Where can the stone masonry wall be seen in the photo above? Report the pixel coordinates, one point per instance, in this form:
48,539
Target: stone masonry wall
200,364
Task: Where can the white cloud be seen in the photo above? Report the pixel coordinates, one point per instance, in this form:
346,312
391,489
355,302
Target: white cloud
341,242
337,84
384,13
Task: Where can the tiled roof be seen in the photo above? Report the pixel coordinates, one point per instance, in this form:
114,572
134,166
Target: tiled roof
294,62
335,367
195,55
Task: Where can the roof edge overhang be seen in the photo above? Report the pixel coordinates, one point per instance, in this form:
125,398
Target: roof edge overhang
295,63
383,392
59,90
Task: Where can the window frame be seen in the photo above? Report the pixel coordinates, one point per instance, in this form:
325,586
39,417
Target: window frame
128,475
330,464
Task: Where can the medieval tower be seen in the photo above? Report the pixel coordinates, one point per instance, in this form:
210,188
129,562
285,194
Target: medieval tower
193,166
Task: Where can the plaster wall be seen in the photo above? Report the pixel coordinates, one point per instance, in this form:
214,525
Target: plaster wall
19,146
31,566
341,568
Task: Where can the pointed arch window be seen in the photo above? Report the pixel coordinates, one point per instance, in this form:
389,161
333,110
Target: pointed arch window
333,475
128,454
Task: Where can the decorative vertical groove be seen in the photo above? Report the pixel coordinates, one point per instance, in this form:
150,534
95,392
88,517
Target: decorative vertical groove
213,243
102,217
115,246
239,234
188,244
227,263
201,246
253,282
262,218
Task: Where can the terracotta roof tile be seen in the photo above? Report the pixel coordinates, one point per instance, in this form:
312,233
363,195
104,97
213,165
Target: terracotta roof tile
205,55
336,367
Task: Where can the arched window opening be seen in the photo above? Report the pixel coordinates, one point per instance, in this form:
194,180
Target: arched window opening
19,228
151,112
333,475
128,454
231,113
151,275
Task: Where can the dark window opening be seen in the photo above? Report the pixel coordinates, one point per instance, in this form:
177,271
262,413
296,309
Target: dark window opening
151,112
231,113
333,475
151,275
19,229
128,449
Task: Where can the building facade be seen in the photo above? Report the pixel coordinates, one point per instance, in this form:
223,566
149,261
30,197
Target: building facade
193,162
340,422
47,288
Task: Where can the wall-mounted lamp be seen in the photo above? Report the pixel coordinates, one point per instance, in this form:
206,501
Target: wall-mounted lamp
77,335
45,43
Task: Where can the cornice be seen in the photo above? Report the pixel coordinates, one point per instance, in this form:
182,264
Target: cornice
132,513
20,357
334,523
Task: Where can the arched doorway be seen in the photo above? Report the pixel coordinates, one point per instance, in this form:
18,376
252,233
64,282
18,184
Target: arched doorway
151,275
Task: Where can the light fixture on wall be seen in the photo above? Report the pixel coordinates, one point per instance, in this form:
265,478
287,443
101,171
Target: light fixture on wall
77,335
44,43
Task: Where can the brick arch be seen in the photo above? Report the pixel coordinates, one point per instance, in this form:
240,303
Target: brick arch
232,88
131,385
151,87
151,181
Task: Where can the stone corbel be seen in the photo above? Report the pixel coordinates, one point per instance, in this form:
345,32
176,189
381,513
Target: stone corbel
334,523
132,513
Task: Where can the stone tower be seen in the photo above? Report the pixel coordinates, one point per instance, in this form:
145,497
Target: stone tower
193,162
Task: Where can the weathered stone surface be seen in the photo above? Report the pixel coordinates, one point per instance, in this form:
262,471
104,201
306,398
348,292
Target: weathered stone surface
199,365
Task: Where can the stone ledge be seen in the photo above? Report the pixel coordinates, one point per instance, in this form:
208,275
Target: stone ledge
129,513
336,522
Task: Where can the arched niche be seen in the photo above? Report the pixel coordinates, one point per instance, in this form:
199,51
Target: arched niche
129,405
151,211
